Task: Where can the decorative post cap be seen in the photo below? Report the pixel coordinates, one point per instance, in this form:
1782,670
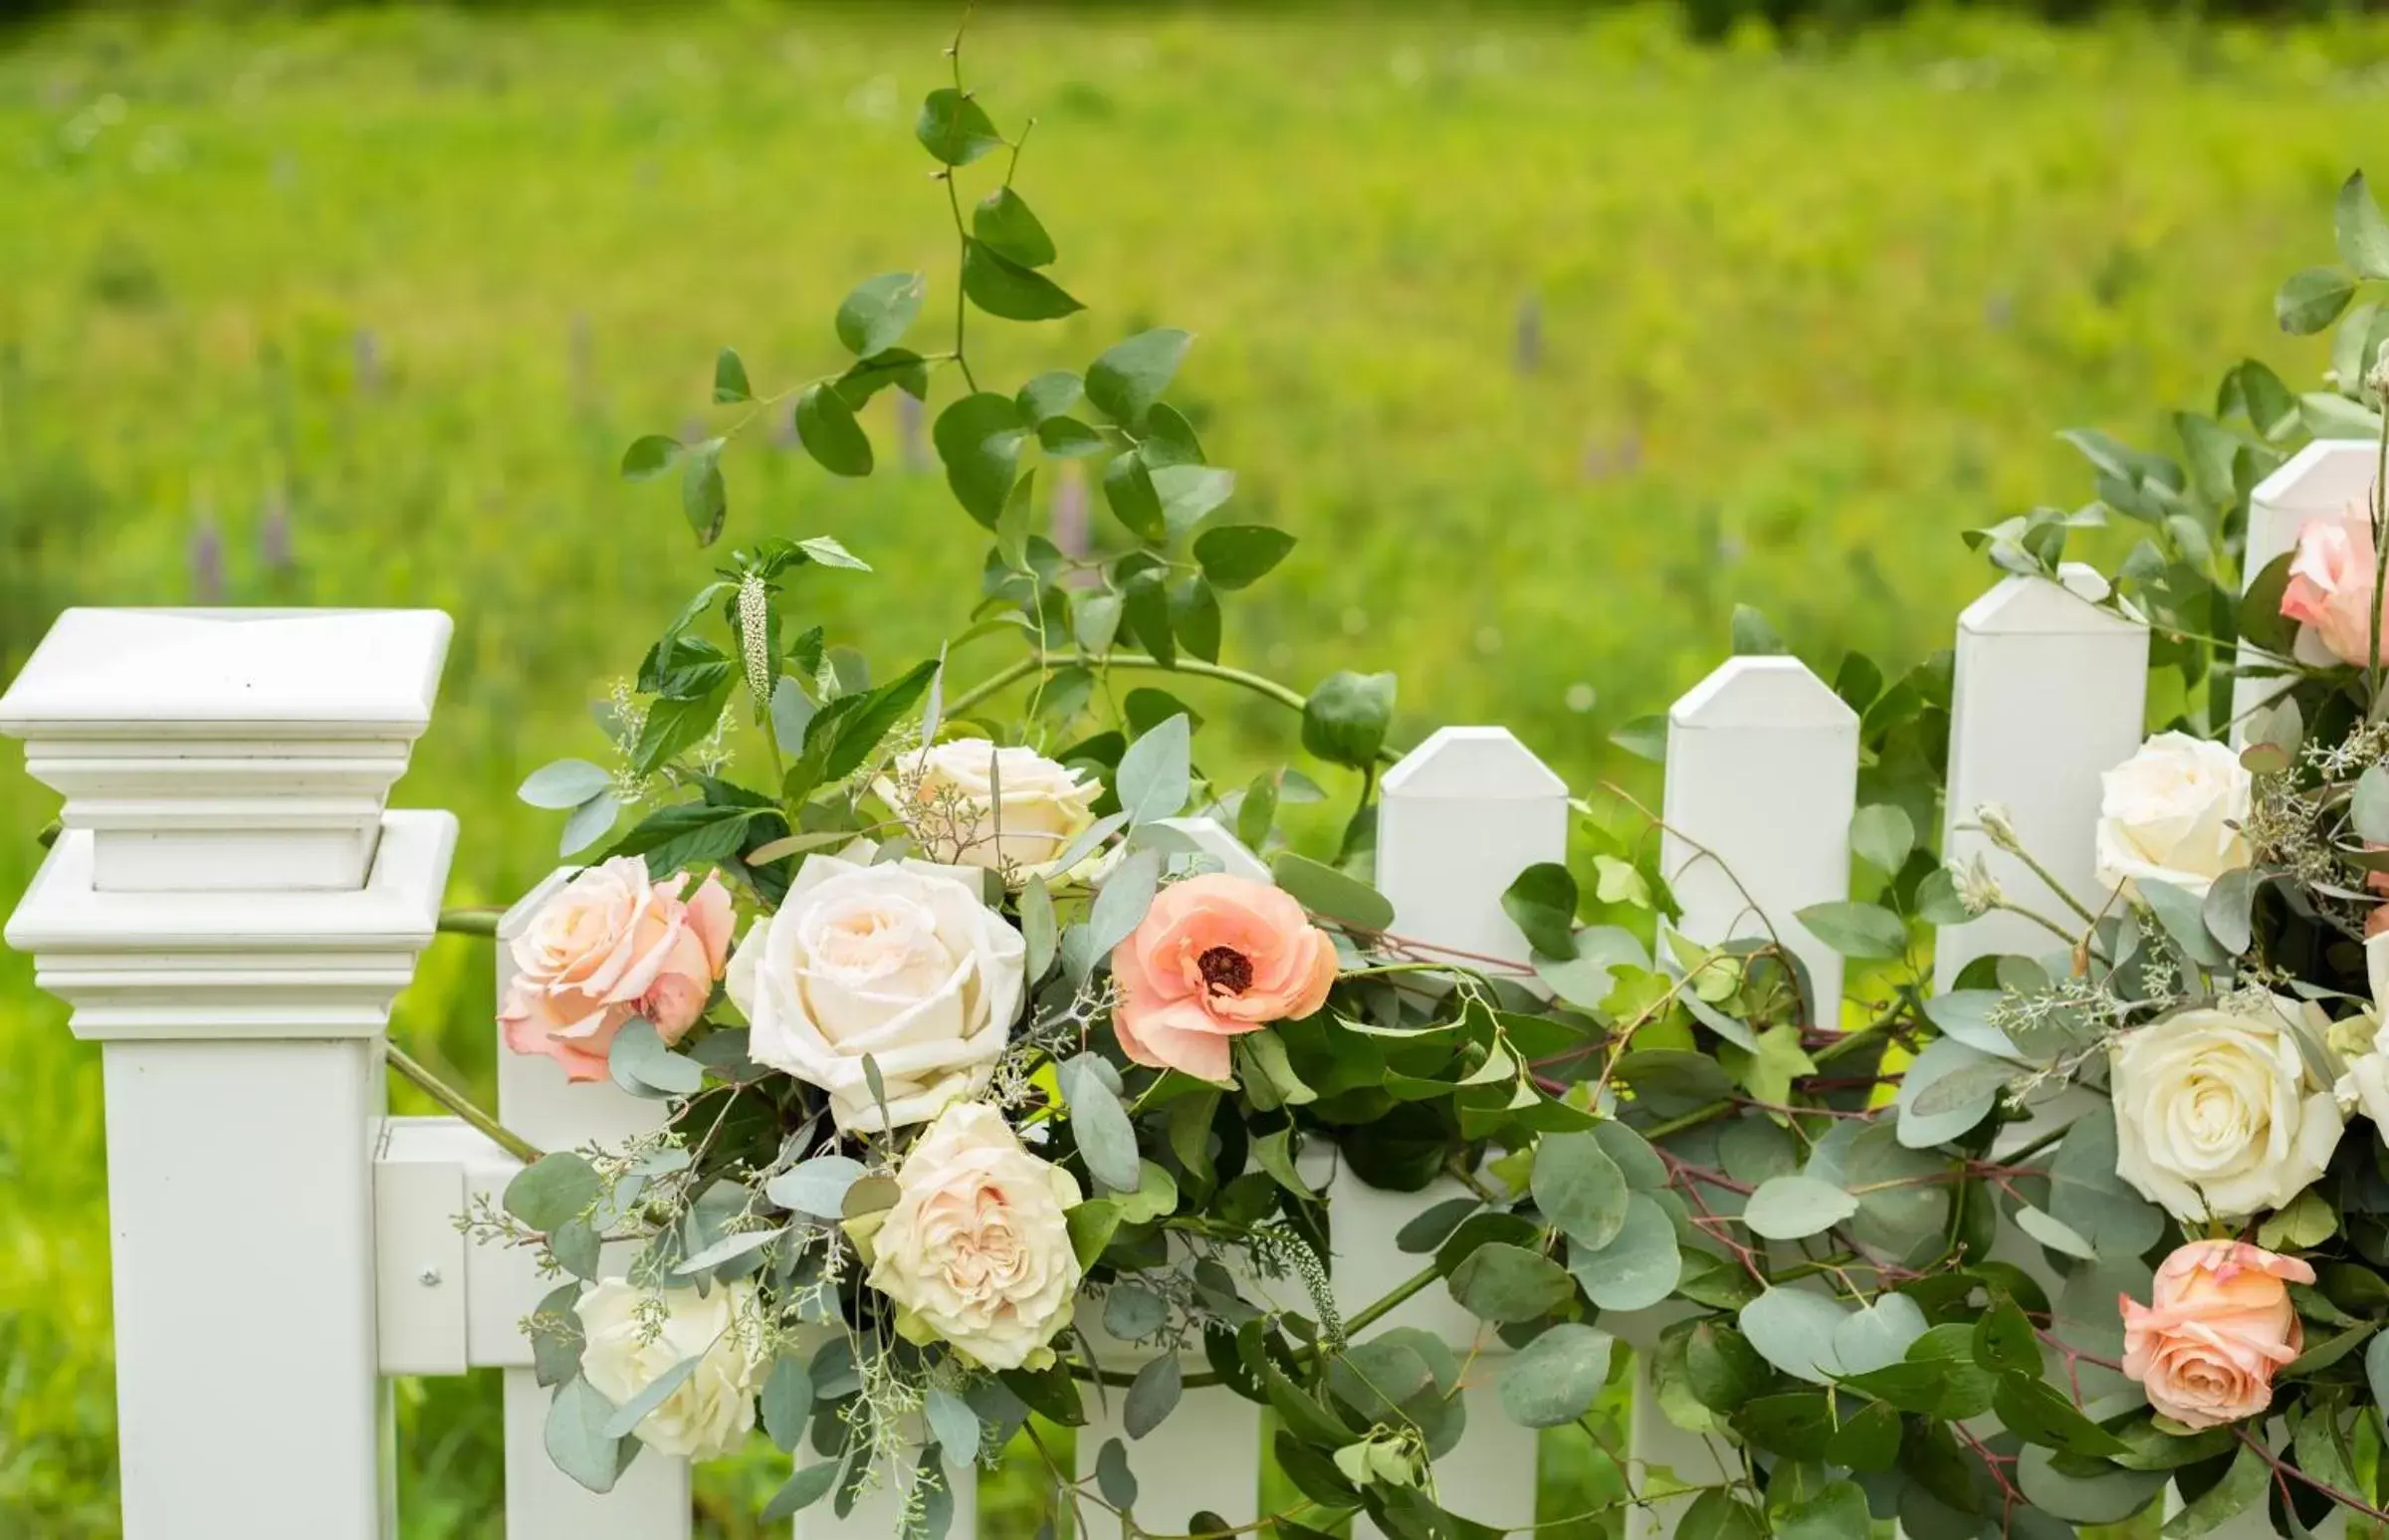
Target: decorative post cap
227,750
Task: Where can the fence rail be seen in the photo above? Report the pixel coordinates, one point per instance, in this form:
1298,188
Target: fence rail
232,908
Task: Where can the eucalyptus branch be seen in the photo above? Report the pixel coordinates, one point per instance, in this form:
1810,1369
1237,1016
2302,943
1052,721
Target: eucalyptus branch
477,920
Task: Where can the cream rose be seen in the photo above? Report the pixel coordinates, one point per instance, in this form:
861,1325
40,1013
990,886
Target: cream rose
1008,810
2219,1114
2173,812
902,963
2365,1085
976,1251
711,1412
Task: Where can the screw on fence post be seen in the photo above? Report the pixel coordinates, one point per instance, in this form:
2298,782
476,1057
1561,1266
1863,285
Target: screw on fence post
230,910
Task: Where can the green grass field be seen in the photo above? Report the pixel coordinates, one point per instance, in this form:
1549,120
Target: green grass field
1551,339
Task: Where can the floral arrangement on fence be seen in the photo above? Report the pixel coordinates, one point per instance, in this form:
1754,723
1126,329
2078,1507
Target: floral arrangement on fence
1003,1053
2226,1006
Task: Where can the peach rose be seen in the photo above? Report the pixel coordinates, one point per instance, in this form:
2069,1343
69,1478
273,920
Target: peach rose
2330,588
611,944
1214,957
2220,1323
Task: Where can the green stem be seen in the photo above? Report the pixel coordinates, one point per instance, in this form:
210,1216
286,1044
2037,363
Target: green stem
457,1102
475,921
1047,662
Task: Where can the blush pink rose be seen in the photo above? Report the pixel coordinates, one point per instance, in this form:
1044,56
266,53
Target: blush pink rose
2330,588
1214,957
609,945
2219,1324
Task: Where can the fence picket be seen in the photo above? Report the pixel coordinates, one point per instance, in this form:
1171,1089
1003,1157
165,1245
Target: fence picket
1761,783
651,1502
2328,476
2048,694
1762,780
1461,816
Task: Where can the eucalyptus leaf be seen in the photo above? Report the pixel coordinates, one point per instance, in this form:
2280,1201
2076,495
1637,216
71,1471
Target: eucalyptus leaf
1107,1141
1795,1207
1121,903
1555,1379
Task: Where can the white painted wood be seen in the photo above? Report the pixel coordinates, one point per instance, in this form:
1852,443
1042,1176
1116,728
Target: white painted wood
1207,1455
241,1031
2050,693
651,1502
232,749
2327,478
1215,840
421,1260
1461,816
1762,776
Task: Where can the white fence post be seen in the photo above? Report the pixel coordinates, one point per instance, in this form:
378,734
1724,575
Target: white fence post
2050,692
1760,783
1461,816
230,912
2326,478
651,1502
1762,780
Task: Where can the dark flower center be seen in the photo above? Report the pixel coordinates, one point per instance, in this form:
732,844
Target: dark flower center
1225,970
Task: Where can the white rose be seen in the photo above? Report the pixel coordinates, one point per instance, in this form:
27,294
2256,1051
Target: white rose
2173,811
2366,1082
2221,1115
976,1253
1008,810
710,1414
901,963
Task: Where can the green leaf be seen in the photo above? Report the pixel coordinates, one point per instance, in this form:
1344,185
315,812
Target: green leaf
651,1396
1752,635
1579,1189
1641,1265
801,1491
2363,233
649,456
1113,1477
564,783
1346,719
2039,1412
979,438
1128,491
703,500
1882,835
1048,395
576,1439
1325,891
1155,777
1121,903
2182,913
1646,738
1004,222
2376,1370
817,1187
2312,300
1555,1379
1132,374
1004,288
1793,1331
954,129
552,1191
1038,927
951,1424
1195,617
1237,556
638,1054
788,1401
2242,1489
867,377
1151,1396
1541,901
826,425
1794,1207
1857,930
1188,492
1145,610
1106,1139
2088,1197
1836,1512
730,378
876,315
1503,1282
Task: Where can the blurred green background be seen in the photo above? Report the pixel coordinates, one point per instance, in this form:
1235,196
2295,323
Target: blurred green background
1552,335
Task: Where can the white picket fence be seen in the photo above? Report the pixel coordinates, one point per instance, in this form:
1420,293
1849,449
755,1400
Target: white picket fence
231,910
